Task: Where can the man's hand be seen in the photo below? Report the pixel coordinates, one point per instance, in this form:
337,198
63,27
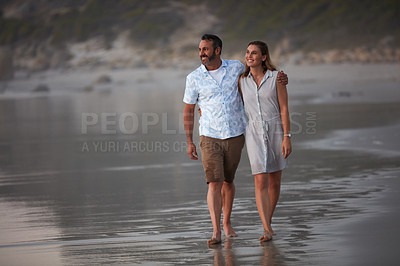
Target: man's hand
188,121
191,150
282,78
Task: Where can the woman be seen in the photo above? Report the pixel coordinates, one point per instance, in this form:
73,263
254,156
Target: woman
268,129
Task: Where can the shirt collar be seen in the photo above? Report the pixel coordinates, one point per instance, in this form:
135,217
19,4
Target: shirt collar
224,64
268,74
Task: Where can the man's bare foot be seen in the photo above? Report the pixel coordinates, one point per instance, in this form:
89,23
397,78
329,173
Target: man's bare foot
229,231
215,239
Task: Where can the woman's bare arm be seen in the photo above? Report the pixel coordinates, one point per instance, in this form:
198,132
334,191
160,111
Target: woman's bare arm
284,107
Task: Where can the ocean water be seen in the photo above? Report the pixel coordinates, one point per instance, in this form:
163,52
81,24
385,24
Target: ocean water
103,178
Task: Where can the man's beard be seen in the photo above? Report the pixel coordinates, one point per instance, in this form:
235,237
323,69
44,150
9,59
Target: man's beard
209,59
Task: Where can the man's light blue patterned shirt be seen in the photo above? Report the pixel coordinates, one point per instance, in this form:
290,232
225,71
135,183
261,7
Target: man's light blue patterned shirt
222,113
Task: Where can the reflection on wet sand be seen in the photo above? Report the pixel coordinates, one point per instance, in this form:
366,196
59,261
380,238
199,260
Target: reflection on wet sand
271,255
225,254
109,227
72,207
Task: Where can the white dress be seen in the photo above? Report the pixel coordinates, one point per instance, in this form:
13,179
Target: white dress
264,131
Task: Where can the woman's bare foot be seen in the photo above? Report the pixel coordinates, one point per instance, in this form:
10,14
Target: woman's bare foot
229,231
266,237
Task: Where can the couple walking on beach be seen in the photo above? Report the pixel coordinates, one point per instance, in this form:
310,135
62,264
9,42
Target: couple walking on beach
226,91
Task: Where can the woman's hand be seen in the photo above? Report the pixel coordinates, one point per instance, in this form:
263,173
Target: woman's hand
286,147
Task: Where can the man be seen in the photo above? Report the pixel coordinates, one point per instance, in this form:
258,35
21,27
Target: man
213,86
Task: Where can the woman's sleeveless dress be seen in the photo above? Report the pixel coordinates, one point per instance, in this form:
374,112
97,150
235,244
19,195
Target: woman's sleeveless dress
264,131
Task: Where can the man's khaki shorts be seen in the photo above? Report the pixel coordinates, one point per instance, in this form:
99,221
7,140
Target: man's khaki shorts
221,157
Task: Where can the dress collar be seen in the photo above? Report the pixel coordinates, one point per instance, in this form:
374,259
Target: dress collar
267,75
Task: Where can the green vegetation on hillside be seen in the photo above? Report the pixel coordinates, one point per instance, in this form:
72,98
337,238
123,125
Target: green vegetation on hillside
311,24
106,17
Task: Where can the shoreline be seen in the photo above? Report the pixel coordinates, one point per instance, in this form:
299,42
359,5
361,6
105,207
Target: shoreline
373,140
303,79
149,207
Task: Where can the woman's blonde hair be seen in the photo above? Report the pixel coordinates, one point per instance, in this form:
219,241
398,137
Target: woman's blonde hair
267,64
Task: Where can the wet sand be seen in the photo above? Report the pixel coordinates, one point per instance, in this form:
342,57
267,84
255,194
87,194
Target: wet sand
137,199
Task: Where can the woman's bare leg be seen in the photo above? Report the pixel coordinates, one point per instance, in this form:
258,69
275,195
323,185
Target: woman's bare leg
263,203
274,190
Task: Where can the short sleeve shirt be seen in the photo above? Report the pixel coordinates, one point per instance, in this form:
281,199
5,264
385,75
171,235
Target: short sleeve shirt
222,113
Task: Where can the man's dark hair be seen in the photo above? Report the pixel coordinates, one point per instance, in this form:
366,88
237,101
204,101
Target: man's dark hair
216,40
